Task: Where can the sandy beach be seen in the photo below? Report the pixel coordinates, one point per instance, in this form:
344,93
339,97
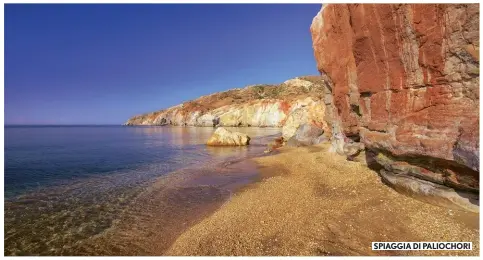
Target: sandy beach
311,202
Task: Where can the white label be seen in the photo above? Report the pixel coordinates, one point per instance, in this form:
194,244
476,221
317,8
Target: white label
422,246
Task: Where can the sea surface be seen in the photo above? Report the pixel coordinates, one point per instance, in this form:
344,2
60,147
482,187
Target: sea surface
116,190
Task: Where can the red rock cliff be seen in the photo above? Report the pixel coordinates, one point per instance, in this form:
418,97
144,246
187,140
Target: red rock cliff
405,82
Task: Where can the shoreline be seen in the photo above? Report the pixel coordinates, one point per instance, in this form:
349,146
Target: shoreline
311,202
173,203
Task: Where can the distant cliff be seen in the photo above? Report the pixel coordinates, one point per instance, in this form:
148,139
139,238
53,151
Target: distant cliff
404,82
257,106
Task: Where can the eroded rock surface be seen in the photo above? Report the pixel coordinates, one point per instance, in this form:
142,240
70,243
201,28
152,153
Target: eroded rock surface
312,112
404,81
305,135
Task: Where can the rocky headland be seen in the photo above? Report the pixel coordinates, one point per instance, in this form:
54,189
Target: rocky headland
288,105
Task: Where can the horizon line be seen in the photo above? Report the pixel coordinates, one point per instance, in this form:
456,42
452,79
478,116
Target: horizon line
88,124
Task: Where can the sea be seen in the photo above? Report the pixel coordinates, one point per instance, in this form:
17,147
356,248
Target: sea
117,190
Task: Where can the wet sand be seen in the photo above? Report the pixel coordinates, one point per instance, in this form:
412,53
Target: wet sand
316,203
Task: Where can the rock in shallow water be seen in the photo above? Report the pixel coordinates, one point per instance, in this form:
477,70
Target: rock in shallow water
275,144
223,137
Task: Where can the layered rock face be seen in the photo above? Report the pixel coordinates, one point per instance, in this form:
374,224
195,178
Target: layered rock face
288,105
404,81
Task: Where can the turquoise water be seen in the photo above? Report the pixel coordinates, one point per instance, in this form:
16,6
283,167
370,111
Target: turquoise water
65,185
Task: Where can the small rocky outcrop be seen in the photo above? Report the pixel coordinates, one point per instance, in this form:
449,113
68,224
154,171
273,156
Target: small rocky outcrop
309,112
275,144
223,137
306,134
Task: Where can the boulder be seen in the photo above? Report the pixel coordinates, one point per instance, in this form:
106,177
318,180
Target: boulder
311,112
223,137
306,134
295,119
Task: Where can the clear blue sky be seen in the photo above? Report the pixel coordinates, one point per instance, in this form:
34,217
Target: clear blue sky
101,64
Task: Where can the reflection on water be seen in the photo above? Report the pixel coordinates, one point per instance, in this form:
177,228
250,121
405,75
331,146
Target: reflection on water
226,151
133,209
182,136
